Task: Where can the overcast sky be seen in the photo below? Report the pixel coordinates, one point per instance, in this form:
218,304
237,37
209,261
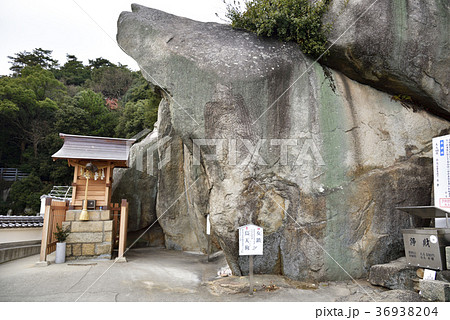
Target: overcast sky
68,27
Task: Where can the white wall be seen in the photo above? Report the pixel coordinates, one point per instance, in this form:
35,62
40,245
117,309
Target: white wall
20,234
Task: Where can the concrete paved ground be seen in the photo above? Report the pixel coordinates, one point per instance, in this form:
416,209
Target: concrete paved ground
152,274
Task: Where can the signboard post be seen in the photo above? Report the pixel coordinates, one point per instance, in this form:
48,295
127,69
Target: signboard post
250,243
441,173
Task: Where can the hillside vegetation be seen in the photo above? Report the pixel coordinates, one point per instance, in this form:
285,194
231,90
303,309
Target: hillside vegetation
43,98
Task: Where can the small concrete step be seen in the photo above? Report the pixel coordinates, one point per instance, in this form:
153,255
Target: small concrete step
12,251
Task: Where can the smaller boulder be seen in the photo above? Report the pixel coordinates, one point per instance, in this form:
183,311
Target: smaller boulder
434,290
395,275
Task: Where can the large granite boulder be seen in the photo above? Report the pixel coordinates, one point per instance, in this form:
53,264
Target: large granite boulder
252,131
401,47
138,183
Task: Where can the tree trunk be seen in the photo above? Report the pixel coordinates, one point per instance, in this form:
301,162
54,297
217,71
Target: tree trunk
23,144
35,148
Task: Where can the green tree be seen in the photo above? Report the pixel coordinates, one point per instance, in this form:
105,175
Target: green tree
137,116
72,120
101,121
288,20
140,108
56,172
141,89
39,57
26,107
100,63
26,193
73,72
13,99
112,82
43,83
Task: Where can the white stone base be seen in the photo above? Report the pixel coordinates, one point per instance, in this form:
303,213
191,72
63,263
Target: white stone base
121,259
42,263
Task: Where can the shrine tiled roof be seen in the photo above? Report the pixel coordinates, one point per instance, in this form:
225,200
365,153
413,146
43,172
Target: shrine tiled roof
21,221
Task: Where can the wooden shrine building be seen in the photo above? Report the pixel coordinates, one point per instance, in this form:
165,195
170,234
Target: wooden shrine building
89,218
93,159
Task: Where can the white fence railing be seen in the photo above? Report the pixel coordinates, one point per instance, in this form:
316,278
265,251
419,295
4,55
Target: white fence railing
12,174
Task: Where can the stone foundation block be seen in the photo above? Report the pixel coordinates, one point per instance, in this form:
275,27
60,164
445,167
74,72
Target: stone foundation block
94,215
85,237
70,215
104,248
89,239
68,250
87,226
435,290
108,225
88,249
105,215
107,237
76,249
67,224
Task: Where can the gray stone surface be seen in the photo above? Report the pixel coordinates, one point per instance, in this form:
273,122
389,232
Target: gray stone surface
435,290
138,183
394,275
401,47
443,275
327,202
236,285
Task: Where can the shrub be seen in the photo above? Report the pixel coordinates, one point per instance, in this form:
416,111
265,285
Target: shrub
61,234
288,20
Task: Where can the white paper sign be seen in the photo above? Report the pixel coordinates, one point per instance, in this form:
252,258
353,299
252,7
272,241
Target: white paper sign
208,225
441,171
250,240
429,274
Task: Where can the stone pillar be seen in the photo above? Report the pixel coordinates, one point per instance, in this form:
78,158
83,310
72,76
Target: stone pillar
91,239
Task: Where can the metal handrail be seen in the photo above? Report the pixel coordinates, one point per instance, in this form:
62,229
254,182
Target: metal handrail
61,192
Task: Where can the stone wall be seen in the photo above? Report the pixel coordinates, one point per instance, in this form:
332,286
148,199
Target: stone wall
89,239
